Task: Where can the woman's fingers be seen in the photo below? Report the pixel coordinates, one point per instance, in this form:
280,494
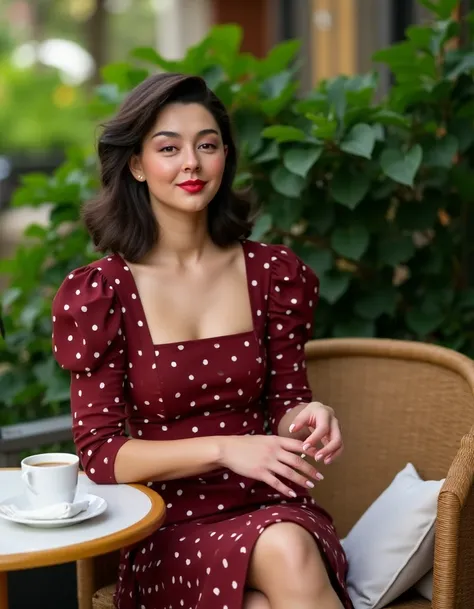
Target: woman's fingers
321,430
304,468
278,485
291,445
283,471
334,456
333,447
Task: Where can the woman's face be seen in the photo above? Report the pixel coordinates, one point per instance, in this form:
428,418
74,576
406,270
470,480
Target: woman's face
182,158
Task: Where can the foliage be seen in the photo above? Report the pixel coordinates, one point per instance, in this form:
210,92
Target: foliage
39,112
376,197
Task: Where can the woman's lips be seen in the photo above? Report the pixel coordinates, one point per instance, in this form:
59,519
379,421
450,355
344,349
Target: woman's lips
193,187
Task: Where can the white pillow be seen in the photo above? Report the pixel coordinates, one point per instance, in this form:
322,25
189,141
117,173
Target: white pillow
391,546
425,586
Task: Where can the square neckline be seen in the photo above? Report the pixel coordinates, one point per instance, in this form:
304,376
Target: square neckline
247,333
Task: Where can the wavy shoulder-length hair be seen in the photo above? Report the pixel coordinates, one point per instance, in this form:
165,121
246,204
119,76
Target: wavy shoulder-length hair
120,219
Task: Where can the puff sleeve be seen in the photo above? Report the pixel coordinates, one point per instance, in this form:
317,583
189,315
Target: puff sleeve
293,295
89,342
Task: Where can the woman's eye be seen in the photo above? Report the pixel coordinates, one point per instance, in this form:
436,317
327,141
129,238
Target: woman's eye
208,146
168,149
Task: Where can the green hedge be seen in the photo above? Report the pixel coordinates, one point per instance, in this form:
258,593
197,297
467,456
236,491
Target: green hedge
375,196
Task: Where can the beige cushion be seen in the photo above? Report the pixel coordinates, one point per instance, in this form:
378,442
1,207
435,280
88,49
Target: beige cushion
425,586
391,547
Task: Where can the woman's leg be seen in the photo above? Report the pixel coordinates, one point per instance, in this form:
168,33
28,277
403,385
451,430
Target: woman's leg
255,600
287,567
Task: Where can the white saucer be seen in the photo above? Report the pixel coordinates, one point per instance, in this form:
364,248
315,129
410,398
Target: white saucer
97,505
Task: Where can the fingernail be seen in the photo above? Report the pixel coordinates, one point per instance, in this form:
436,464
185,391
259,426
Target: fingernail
292,494
327,461
318,457
306,446
309,483
292,426
319,476
303,456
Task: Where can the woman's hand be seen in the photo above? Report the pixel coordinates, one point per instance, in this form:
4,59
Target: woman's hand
269,458
324,427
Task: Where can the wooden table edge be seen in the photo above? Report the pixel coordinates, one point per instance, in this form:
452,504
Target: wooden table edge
94,547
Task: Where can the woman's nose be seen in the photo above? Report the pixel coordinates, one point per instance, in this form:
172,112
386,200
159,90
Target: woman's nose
191,161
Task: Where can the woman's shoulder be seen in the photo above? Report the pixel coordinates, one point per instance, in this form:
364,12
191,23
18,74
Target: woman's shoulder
86,315
279,259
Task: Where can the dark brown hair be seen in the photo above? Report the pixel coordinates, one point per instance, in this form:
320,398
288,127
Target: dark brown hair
120,219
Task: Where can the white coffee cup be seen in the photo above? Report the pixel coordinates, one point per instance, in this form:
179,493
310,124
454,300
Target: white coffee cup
50,478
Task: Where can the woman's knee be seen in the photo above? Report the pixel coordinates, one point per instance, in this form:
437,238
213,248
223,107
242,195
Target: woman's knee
255,600
287,550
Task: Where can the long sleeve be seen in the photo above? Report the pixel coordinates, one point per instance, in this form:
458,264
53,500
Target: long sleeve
293,295
88,340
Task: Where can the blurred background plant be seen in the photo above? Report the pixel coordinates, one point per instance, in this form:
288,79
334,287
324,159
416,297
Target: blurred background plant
375,195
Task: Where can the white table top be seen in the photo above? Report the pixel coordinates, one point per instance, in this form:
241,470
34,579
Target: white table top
127,506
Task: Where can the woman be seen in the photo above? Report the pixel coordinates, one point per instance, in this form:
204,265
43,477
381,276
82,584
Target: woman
193,337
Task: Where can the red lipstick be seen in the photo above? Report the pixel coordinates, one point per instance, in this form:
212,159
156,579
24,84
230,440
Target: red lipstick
192,186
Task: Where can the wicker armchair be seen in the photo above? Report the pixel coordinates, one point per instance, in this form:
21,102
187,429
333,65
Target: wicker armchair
397,402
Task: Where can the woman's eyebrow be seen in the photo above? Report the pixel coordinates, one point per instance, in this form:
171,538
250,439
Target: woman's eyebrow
175,134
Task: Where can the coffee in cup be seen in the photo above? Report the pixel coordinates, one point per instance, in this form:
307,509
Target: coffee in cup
50,478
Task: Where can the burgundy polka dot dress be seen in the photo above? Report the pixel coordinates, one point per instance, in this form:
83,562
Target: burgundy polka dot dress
228,385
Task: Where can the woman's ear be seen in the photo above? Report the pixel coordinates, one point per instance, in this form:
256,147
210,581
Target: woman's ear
136,169
226,149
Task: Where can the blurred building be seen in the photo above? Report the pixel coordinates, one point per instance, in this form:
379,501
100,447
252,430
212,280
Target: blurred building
339,36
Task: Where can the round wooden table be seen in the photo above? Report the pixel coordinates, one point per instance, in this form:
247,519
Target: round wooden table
133,512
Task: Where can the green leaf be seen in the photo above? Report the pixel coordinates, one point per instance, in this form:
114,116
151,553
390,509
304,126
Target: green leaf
278,58
333,286
284,133
270,153
424,319
242,179
376,303
117,74
441,8
348,188
150,55
420,35
8,297
248,126
395,249
466,64
351,241
391,118
402,167
442,152
226,39
323,128
35,231
321,261
354,328
336,93
360,141
286,183
262,226
299,160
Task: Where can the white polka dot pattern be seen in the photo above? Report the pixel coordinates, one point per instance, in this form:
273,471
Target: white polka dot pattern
223,385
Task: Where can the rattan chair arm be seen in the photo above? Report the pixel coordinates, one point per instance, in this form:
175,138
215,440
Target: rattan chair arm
453,582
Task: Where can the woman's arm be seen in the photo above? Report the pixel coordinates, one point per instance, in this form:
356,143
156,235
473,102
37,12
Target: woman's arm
146,460
293,295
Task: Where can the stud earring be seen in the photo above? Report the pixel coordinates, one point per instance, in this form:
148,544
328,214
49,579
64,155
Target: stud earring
140,178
